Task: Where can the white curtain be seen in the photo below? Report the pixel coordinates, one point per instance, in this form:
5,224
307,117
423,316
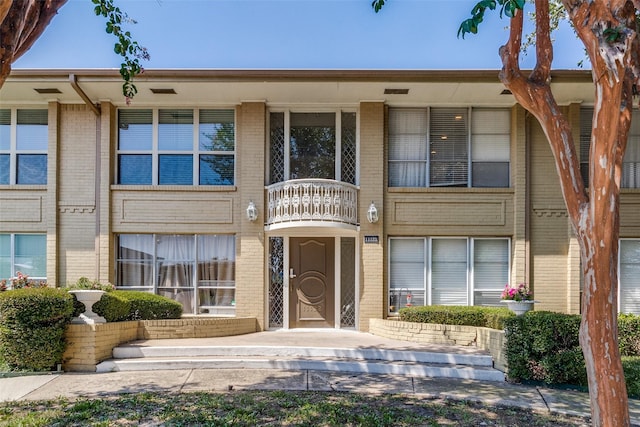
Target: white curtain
175,256
407,148
135,261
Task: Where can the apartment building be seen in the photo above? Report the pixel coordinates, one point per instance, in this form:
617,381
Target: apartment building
303,198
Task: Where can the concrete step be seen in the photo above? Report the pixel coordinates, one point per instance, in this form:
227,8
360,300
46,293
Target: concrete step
362,360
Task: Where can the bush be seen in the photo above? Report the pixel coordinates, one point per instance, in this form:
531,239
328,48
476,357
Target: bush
629,334
544,346
490,317
146,306
113,306
631,366
32,326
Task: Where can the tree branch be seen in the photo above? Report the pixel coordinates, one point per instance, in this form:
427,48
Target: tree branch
544,49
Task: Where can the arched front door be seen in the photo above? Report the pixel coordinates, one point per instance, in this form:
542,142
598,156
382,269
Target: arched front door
311,282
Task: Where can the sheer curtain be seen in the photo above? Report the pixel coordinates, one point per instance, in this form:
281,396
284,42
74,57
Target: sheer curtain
216,274
407,147
135,261
175,256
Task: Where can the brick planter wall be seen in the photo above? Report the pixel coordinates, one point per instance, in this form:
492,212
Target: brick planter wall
88,345
491,340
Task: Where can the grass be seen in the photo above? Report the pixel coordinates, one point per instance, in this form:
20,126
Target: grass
269,408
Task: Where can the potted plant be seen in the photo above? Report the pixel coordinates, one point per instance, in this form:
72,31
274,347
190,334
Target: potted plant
519,299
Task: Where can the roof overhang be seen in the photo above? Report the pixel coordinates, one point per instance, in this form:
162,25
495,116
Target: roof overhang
283,87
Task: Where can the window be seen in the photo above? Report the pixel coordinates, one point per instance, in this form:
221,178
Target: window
631,160
629,276
449,147
176,147
447,271
23,153
25,253
196,270
313,145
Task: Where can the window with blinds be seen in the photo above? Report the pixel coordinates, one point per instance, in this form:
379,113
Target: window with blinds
176,147
447,271
629,276
23,153
449,147
631,160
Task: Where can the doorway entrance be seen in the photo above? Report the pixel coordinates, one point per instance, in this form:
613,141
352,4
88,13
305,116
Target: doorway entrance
312,282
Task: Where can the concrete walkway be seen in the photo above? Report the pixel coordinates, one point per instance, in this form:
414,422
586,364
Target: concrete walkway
94,385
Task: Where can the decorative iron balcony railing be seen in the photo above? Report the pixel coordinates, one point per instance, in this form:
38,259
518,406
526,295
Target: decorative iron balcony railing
311,202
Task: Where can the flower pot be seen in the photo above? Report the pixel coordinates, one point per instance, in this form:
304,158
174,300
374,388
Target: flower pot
88,297
519,307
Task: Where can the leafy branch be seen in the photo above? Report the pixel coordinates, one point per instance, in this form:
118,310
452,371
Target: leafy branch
132,53
508,8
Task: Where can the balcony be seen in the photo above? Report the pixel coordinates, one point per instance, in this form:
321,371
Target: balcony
312,203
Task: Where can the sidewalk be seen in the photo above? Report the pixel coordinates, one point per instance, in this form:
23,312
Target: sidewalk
92,385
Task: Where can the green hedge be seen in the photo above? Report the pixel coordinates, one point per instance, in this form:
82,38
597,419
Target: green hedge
489,317
113,306
32,326
146,306
631,366
544,347
629,334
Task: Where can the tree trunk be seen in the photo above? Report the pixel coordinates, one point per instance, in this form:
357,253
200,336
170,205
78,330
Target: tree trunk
594,216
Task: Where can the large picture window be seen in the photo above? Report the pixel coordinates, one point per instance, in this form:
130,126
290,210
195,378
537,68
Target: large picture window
176,147
24,143
447,271
24,253
449,147
196,270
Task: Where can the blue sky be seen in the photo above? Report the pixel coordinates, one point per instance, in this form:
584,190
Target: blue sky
285,34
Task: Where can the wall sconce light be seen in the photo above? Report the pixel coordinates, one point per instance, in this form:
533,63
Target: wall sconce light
372,213
252,211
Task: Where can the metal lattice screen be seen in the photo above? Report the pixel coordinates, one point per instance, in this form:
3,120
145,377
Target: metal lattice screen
276,275
348,282
348,151
276,148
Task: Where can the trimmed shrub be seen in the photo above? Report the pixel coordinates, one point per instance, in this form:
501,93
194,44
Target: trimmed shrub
490,317
113,306
32,326
629,334
544,346
631,366
146,306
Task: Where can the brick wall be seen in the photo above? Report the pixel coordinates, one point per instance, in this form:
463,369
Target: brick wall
371,189
487,339
88,345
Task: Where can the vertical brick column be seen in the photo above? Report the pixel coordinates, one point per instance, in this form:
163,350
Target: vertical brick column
250,250
105,159
372,173
50,209
520,243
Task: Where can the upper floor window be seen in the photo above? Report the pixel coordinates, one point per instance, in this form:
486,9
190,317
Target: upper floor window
449,147
23,146
631,160
312,145
176,147
24,253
